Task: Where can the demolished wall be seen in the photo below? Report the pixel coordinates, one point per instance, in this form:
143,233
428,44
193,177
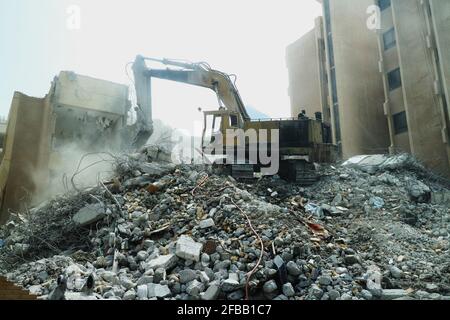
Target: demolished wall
26,150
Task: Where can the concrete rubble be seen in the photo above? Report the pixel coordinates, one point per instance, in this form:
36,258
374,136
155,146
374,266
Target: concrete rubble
373,228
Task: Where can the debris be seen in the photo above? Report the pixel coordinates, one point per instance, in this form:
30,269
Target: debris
129,295
293,269
142,292
318,230
158,291
376,202
325,280
205,224
194,288
194,234
391,294
211,293
188,249
270,286
166,262
231,284
396,272
90,214
59,292
334,294
419,192
288,290
187,275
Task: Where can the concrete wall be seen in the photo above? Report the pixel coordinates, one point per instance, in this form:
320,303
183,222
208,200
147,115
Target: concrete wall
73,90
359,86
304,79
78,110
26,152
97,106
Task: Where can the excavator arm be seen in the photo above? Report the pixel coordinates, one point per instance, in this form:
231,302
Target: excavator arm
197,74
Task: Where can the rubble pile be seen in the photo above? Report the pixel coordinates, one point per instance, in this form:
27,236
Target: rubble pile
160,231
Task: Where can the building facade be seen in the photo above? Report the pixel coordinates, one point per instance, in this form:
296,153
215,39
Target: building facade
306,63
349,89
386,85
414,58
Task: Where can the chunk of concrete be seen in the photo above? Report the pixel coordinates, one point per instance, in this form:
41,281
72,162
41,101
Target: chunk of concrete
194,288
142,291
187,276
156,169
158,291
230,285
188,249
89,214
211,293
205,224
377,162
166,262
392,294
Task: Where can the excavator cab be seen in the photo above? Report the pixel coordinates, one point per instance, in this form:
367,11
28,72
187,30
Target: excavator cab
215,126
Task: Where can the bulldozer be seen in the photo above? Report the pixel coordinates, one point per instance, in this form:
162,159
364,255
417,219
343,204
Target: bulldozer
297,143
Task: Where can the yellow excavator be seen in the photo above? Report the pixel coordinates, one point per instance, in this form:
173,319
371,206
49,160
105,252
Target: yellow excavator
297,143
92,115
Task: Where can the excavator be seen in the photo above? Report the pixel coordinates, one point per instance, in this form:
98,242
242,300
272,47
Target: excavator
94,115
297,143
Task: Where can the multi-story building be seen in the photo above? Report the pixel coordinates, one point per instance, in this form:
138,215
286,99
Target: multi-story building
306,62
342,77
414,51
387,85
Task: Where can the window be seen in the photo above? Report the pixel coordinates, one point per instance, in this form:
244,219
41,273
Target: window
217,123
233,120
384,4
400,123
394,79
389,39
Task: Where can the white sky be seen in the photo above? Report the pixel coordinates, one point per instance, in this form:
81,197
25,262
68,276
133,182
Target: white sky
244,37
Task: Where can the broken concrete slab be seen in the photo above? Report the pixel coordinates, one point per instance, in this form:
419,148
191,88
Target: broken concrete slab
89,214
158,291
211,293
441,198
166,262
205,224
194,288
187,275
142,291
377,162
392,294
231,284
156,169
188,249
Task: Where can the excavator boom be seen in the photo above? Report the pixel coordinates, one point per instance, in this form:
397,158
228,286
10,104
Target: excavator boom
197,74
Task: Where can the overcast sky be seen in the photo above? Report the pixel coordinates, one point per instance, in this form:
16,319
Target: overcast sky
244,37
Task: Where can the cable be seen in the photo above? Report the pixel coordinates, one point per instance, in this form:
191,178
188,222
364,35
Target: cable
250,274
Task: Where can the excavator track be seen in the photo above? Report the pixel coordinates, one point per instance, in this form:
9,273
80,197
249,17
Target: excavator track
299,171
